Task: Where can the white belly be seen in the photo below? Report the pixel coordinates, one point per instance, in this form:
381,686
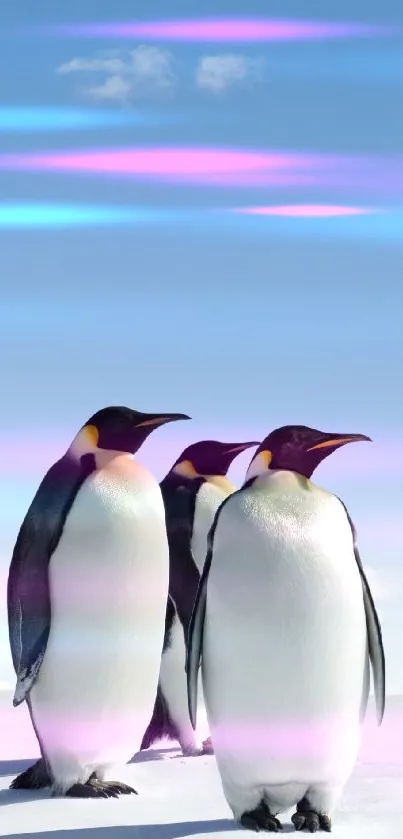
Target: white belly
174,687
285,659
172,677
108,582
208,500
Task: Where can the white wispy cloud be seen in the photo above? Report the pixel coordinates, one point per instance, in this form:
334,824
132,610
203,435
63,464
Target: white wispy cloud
139,72
91,65
117,88
217,73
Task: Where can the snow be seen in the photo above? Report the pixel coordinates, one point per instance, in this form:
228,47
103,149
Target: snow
181,797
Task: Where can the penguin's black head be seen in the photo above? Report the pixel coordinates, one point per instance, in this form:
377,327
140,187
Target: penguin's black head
122,429
209,457
297,448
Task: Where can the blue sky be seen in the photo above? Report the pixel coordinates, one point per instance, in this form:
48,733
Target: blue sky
244,330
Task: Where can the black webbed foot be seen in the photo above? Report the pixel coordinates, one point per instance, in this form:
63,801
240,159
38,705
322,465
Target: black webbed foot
261,819
121,789
35,777
312,821
99,789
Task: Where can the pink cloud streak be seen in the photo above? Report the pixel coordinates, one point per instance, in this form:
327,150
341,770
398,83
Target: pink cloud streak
218,166
304,211
226,30
159,161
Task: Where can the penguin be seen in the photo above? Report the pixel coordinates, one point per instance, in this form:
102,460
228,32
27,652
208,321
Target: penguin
86,596
286,628
192,491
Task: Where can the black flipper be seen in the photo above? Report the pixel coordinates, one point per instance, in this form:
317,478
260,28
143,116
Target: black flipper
195,640
196,626
374,632
161,726
28,599
179,498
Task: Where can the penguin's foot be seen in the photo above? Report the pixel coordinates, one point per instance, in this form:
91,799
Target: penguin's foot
35,777
191,751
309,820
261,819
190,746
121,789
207,747
100,789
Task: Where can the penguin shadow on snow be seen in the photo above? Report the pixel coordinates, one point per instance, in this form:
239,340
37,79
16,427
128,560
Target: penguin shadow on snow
11,768
174,830
14,767
154,754
22,796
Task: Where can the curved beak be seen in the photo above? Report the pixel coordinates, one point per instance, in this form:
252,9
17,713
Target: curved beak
237,448
161,419
334,440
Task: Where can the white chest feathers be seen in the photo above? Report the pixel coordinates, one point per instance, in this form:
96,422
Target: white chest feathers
285,592
209,497
114,546
108,584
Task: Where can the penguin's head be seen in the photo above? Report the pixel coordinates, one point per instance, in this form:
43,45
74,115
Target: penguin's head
120,429
297,448
209,457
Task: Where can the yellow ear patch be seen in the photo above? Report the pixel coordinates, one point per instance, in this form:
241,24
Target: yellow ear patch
91,435
265,458
186,469
260,464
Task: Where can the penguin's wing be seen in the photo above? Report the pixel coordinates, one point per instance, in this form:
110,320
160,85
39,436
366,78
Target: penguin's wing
28,597
195,635
374,632
196,626
183,574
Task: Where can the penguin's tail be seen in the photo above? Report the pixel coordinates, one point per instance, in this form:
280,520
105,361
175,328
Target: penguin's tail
161,726
35,777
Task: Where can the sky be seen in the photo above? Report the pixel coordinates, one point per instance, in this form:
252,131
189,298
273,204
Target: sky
134,272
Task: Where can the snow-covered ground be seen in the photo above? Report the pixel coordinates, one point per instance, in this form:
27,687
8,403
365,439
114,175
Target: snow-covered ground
181,797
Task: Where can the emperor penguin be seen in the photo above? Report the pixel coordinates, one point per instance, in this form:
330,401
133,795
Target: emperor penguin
192,491
87,592
286,628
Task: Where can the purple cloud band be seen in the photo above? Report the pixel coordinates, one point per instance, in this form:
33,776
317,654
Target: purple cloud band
29,457
231,30
207,166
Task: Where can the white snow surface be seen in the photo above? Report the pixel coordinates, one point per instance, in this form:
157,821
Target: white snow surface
181,797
